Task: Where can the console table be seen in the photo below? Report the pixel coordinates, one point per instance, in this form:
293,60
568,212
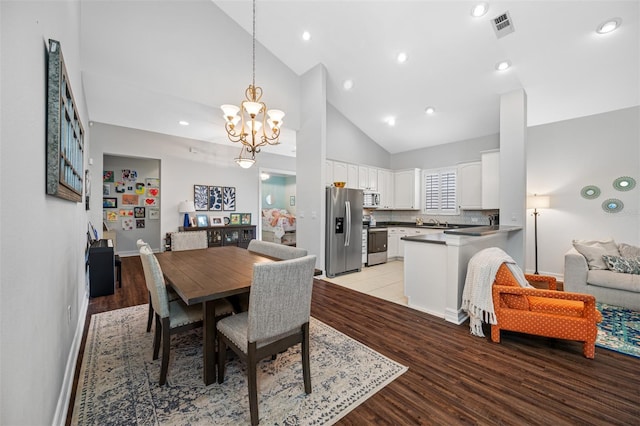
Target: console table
228,235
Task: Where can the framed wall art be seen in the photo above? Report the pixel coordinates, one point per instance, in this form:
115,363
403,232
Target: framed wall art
201,197
215,198
154,213
203,220
109,202
216,221
65,134
139,212
235,218
229,198
245,218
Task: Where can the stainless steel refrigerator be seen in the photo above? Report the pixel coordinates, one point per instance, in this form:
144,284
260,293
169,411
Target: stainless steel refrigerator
344,231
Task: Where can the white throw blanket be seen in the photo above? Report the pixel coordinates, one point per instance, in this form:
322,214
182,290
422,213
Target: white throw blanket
481,273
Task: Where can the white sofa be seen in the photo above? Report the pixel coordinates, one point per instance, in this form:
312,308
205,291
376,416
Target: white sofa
610,287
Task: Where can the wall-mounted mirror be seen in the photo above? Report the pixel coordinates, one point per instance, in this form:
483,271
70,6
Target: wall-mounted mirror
624,183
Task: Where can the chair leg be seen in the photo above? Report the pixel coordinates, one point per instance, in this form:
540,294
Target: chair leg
166,346
157,337
589,349
253,382
495,333
306,365
150,318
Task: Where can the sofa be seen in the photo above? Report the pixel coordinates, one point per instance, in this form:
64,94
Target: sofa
609,271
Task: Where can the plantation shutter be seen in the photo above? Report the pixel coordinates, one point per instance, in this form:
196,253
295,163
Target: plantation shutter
440,195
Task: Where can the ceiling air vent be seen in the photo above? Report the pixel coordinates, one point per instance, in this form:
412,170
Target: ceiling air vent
502,24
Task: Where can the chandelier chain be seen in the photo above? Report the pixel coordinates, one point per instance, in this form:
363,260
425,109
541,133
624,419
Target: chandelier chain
254,44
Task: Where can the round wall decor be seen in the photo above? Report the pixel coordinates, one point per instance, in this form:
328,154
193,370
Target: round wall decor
624,183
612,205
590,192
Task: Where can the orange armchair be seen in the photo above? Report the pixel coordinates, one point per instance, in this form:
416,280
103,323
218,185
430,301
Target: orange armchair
550,313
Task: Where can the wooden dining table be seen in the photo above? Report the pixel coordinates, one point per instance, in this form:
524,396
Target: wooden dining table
204,276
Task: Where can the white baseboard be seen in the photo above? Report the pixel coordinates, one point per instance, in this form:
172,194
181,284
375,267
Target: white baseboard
62,408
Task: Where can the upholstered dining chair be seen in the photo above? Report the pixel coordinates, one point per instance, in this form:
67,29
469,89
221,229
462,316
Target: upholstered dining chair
189,240
171,317
278,318
171,294
550,313
278,251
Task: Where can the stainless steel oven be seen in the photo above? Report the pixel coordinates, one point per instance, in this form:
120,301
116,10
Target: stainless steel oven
376,246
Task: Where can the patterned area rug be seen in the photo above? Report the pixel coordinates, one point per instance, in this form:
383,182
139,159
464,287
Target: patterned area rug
619,330
118,381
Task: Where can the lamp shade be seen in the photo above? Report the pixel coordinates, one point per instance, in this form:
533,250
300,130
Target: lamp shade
538,202
186,207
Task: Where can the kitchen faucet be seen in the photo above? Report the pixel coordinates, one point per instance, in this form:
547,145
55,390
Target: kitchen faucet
435,221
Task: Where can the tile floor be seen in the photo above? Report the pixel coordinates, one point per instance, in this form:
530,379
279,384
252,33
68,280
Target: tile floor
385,281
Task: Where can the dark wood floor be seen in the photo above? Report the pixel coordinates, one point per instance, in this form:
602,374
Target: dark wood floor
453,377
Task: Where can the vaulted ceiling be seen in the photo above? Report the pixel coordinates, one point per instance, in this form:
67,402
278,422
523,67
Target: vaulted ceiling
149,64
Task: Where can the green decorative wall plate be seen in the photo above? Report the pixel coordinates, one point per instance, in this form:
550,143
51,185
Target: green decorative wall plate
590,192
624,183
612,205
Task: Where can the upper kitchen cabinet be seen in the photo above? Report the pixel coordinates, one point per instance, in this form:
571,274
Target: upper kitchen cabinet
328,173
337,171
470,186
385,188
406,189
340,173
352,176
490,180
367,178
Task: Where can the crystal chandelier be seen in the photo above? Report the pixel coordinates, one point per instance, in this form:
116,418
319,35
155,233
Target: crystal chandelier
248,123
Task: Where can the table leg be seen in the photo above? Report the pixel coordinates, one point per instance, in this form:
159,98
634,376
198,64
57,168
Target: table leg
209,348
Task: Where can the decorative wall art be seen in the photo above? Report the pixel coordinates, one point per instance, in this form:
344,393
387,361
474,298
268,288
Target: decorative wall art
215,198
216,221
125,213
590,192
150,202
107,176
152,183
106,189
120,187
109,203
202,220
65,135
130,200
624,183
201,197
128,224
112,216
612,205
153,192
139,223
129,175
139,212
140,189
235,218
229,198
154,213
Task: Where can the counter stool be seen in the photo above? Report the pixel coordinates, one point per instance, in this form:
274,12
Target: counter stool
118,264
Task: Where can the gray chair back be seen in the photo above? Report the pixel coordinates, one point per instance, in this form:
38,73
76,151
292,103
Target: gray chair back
155,282
278,251
280,298
189,240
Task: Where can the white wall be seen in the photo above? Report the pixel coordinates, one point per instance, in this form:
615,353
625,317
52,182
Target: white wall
180,169
564,157
42,238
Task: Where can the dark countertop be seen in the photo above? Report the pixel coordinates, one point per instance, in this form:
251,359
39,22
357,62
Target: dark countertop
479,231
438,238
425,226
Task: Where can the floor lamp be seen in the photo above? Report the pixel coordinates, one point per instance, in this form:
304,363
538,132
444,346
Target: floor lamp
537,202
186,207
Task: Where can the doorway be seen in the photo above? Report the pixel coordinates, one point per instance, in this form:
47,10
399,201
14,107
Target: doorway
278,206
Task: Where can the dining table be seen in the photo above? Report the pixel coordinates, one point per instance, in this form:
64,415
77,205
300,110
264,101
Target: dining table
204,276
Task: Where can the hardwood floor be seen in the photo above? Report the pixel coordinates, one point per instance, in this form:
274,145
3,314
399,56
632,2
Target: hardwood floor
453,377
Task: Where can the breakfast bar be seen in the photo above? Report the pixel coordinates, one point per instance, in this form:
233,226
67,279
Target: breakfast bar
435,267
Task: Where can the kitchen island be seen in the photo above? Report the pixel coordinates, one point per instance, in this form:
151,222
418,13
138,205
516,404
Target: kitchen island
435,267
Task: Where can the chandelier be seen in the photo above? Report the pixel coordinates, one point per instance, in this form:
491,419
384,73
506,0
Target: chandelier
251,123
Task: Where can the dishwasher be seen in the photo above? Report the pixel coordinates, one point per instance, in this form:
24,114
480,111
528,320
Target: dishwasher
376,246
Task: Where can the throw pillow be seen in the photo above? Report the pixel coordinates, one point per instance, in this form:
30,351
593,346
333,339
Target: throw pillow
626,265
594,250
627,250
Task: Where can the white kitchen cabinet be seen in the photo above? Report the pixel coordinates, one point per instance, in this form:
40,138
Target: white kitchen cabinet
395,243
490,180
406,189
470,186
385,188
328,173
352,176
340,173
367,178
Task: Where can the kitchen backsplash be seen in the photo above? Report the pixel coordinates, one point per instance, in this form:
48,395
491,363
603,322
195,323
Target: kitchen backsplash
466,217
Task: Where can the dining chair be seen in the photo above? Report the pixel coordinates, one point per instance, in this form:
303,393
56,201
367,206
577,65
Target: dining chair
189,240
278,318
171,317
278,251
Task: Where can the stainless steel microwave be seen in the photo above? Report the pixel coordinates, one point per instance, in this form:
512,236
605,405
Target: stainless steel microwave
371,200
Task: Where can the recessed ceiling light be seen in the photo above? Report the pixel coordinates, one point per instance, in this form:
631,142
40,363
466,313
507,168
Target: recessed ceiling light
402,58
183,123
348,84
429,110
391,121
479,9
609,25
503,66
306,36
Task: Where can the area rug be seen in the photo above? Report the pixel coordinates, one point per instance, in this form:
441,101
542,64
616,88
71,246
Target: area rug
619,330
118,381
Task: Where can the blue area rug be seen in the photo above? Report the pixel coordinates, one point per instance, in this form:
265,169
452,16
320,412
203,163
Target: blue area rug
118,382
619,330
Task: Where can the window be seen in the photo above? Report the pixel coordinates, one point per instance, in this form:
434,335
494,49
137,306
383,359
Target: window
440,191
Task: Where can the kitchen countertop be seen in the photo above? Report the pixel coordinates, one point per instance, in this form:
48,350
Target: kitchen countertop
475,231
438,238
